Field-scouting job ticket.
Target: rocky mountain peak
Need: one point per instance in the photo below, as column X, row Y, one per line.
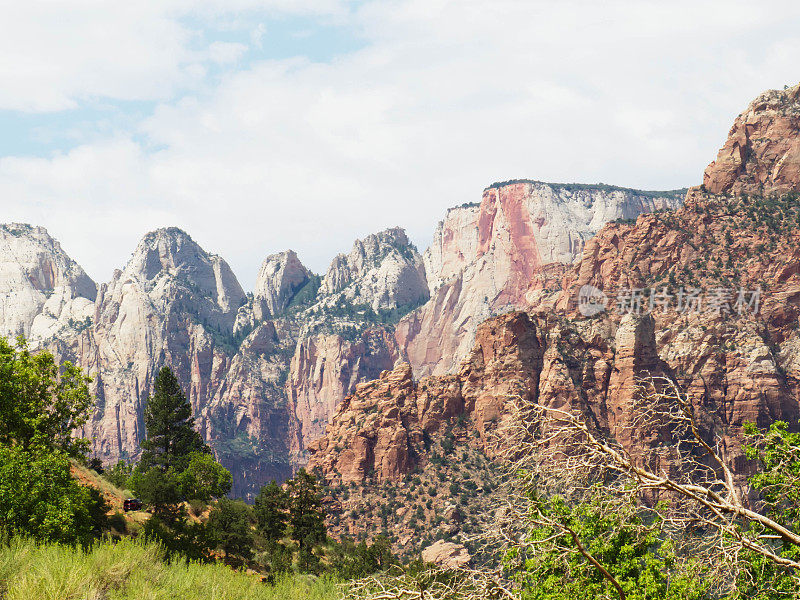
column 43, row 261
column 279, row 278
column 502, row 253
column 167, row 249
column 36, row 273
column 384, row 270
column 762, row 153
column 169, row 256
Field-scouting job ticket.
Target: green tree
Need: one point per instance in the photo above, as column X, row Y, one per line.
column 307, row 518
column 119, row 474
column 777, row 451
column 191, row 541
column 176, row 466
column 39, row 498
column 161, row 491
column 171, row 437
column 270, row 510
column 276, row 558
column 41, row 405
column 230, row 527
column 598, row 549
column 204, row 478
column 354, row 561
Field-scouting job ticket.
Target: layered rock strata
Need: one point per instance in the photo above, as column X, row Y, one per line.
column 503, row 254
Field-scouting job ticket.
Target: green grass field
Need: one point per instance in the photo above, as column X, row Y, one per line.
column 129, row 570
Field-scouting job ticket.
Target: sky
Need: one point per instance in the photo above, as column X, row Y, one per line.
column 262, row 125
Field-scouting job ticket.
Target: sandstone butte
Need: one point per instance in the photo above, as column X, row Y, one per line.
column 737, row 231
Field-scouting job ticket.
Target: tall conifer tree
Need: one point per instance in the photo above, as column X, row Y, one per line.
column 171, row 436
column 307, row 517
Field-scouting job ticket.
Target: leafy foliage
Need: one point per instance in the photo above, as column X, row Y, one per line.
column 307, row 517
column 778, row 451
column 179, row 539
column 119, row 474
column 204, row 478
column 230, row 528
column 41, row 404
column 39, row 498
column 176, row 466
column 597, row 538
column 161, row 491
column 354, row 561
column 270, row 510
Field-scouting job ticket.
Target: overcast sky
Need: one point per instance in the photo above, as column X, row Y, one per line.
column 261, row 125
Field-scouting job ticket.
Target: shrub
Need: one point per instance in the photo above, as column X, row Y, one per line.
column 118, row 523
column 229, row 528
column 39, row 498
column 119, row 474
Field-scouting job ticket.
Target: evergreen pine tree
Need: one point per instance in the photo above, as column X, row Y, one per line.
column 306, row 517
column 171, row 437
column 270, row 509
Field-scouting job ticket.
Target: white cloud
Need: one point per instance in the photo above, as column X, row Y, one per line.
column 446, row 97
column 226, row 52
column 56, row 54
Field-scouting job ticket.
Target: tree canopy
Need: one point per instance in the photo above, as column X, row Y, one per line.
column 306, row 517
column 41, row 403
column 229, row 525
column 270, row 508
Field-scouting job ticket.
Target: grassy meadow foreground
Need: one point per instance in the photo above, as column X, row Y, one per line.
column 132, row 570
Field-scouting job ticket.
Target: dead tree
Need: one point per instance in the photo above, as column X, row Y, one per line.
column 557, row 450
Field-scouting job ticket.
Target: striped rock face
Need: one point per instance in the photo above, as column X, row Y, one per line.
column 505, row 253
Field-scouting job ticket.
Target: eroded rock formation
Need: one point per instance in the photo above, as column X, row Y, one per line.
column 262, row 373
column 502, row 254
column 42, row 290
column 707, row 297
column 762, row 152
column 279, row 278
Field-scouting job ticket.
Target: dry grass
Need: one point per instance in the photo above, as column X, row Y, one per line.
column 113, row 495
